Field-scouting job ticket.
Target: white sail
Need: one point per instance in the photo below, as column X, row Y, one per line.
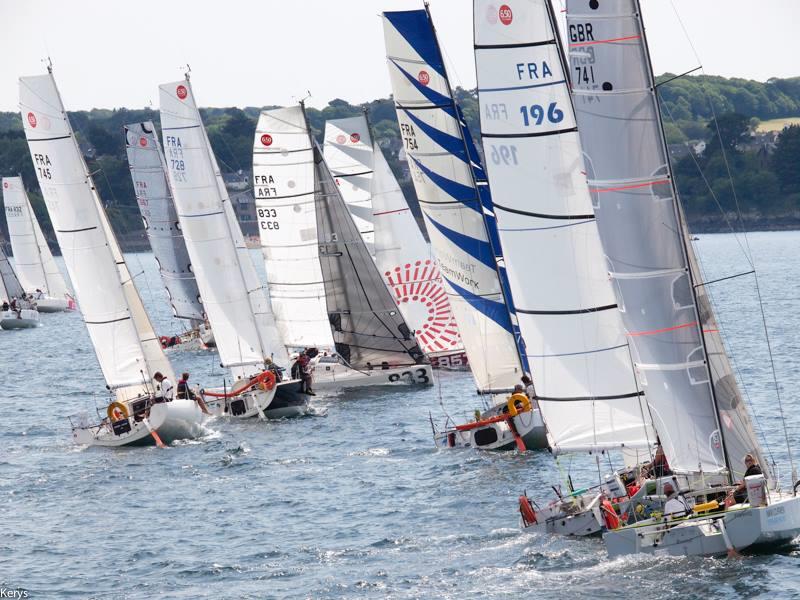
column 35, row 266
column 154, row 197
column 9, row 282
column 127, row 349
column 443, row 178
column 575, row 343
column 348, row 152
column 283, row 175
column 402, row 255
column 235, row 302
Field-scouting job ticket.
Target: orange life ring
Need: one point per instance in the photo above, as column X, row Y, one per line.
column 609, row 515
column 117, row 411
column 527, row 512
column 266, row 380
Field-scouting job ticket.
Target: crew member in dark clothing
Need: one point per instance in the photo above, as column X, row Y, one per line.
column 659, row 467
column 184, row 391
column 5, row 305
column 740, row 493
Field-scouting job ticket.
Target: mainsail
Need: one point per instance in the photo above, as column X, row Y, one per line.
column 368, row 328
column 348, row 153
column 32, row 257
column 127, row 348
column 401, row 253
column 148, row 171
column 283, row 186
column 574, row 340
column 234, row 299
column 445, row 185
column 9, row 283
column 678, row 352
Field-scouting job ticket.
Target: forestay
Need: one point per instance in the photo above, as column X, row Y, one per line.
column 441, row 171
column 568, row 316
column 283, row 186
column 644, row 241
column 348, row 152
column 127, row 348
column 32, row 257
column 368, row 328
column 236, row 304
column 148, row 171
column 401, row 254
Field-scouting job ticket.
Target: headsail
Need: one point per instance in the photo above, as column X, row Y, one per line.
column 283, row 174
column 368, row 328
column 235, row 302
column 32, row 257
column 348, row 153
column 148, row 170
column 585, row 382
column 11, row 286
column 127, row 348
column 442, row 174
column 643, row 237
column 401, row 254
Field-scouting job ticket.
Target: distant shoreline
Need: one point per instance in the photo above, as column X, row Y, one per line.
column 716, row 224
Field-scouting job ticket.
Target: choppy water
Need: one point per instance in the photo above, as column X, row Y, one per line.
column 354, row 504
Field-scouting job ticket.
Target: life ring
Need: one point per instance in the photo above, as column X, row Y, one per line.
column 527, row 512
column 512, row 404
column 266, row 380
column 609, row 515
column 117, row 411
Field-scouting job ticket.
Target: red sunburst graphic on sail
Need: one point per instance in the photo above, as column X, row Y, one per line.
column 419, row 287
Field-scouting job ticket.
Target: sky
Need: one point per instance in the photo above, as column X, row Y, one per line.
column 114, row 53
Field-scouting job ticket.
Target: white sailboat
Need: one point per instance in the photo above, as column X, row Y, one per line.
column 17, row 312
column 585, row 383
column 307, row 289
column 154, row 197
column 38, row 272
column 388, row 226
column 442, row 169
column 235, row 302
column 693, row 395
column 127, row 348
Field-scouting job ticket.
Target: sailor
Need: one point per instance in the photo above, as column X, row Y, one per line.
column 740, row 493
column 5, row 305
column 275, row 369
column 659, row 467
column 39, row 294
column 184, row 392
column 307, row 369
column 676, row 504
column 167, row 389
column 530, row 392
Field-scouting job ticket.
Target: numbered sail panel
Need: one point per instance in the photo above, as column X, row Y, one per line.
column 348, row 152
column 511, row 22
column 160, row 219
column 523, row 91
column 81, row 233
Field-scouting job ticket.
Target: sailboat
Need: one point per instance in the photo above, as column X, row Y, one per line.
column 442, row 170
column 694, row 399
column 17, row 312
column 126, row 346
column 575, row 343
column 401, row 253
column 325, row 288
column 235, row 301
column 38, row 272
column 154, row 197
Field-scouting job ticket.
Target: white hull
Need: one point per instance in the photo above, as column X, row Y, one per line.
column 281, row 402
column 334, row 376
column 51, row 305
column 739, row 528
column 570, row 516
column 26, row 319
column 175, row 420
column 498, row 436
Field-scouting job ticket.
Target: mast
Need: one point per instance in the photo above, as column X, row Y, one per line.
column 683, row 228
column 495, row 251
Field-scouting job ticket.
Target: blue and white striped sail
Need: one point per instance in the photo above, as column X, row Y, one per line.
column 442, row 172
column 574, row 339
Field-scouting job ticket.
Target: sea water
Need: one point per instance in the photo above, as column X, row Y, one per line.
column 355, row 502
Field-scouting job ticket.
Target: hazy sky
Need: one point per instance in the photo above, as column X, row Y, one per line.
column 112, row 53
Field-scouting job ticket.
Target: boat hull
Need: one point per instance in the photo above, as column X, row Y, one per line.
column 334, row 376
column 746, row 528
column 26, row 319
column 281, row 402
column 51, row 305
column 498, row 436
column 571, row 517
column 452, row 361
column 172, row 421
